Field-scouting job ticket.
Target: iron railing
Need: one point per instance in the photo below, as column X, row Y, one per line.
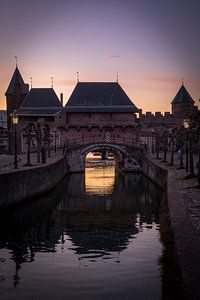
column 71, row 143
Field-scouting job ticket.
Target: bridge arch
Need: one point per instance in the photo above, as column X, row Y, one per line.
column 126, row 158
column 118, row 152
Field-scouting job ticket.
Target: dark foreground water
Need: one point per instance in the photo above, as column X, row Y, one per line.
column 93, row 238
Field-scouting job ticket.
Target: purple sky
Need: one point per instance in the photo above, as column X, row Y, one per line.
column 151, row 43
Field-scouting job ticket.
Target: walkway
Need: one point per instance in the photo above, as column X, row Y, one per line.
column 184, row 207
column 7, row 161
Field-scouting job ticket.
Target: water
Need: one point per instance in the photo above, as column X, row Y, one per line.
column 91, row 238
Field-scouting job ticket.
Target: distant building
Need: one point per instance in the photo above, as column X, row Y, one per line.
column 37, row 106
column 3, row 131
column 100, row 109
column 95, row 109
column 3, row 119
column 41, row 106
column 182, row 104
column 15, row 94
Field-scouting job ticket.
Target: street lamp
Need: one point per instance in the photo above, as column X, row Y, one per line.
column 180, row 144
column 165, row 137
column 55, row 146
column 15, row 120
column 39, row 140
column 156, row 139
column 173, row 140
column 29, row 139
column 152, row 138
column 48, row 137
column 190, row 137
column 186, row 124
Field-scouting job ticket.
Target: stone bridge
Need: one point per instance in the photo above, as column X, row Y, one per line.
column 127, row 152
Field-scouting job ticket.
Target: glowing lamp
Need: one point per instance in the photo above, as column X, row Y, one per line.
column 15, row 118
column 186, row 123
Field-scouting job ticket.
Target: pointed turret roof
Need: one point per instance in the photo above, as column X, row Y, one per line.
column 182, row 96
column 99, row 97
column 41, row 102
column 17, row 80
column 41, row 97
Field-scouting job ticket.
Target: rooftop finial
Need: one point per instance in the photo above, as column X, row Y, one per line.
column 16, row 61
column 52, row 82
column 31, row 81
column 77, row 76
column 117, row 77
column 182, row 81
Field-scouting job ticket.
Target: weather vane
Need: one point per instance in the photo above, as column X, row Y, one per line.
column 31, row 81
column 52, row 82
column 77, row 76
column 117, row 77
column 16, row 60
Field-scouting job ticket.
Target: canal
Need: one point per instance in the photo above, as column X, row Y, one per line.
column 93, row 237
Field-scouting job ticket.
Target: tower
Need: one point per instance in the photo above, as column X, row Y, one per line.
column 15, row 94
column 182, row 104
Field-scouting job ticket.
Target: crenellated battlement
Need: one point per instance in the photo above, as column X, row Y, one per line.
column 157, row 118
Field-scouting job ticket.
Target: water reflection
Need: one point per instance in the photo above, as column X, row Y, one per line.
column 76, row 221
column 100, row 181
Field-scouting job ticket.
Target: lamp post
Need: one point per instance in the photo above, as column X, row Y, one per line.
column 194, row 143
column 165, row 144
column 180, row 144
column 198, row 162
column 15, row 120
column 152, row 137
column 29, row 146
column 186, row 124
column 46, row 138
column 55, row 146
column 198, row 135
column 156, row 139
column 39, row 141
column 138, row 128
column 29, row 139
column 172, row 136
column 157, row 145
column 190, row 137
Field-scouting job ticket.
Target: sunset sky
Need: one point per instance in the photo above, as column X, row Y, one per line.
column 152, row 44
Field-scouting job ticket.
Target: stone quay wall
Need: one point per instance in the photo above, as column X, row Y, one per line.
column 186, row 238
column 154, row 172
column 25, row 184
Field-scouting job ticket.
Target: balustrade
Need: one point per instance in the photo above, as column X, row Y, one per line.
column 96, row 139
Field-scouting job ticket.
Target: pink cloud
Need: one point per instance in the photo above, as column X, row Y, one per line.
column 114, row 55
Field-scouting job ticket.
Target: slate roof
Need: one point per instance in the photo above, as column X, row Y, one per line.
column 99, row 97
column 182, row 96
column 40, row 101
column 17, row 80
